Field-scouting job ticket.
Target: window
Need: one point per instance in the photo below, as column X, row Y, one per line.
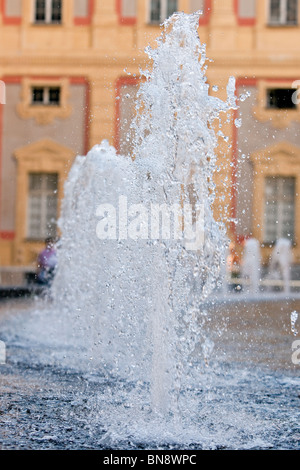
column 42, row 205
column 48, row 11
column 283, row 12
column 162, row 9
column 281, row 98
column 277, row 103
column 279, row 208
column 46, row 96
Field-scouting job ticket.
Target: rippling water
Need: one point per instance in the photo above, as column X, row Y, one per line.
column 247, row 397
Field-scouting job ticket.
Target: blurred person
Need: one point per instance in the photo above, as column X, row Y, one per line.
column 46, row 263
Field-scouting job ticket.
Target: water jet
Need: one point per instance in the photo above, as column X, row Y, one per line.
column 136, row 355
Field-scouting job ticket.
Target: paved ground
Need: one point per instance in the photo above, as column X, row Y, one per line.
column 249, row 397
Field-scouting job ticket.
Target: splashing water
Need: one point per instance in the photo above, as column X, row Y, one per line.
column 251, row 268
column 131, row 293
column 281, row 260
column 294, row 318
column 126, row 341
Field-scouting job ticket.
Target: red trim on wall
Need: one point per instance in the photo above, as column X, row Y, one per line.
column 124, row 20
column 9, row 20
column 121, row 81
column 86, row 20
column 44, row 77
column 10, row 235
column 12, row 79
column 242, row 21
column 204, row 19
column 7, row 235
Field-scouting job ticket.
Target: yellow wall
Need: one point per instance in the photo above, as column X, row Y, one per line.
column 101, row 50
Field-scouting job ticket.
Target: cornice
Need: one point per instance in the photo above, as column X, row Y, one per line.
column 116, row 61
column 66, row 60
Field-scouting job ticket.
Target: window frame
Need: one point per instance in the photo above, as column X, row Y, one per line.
column 48, row 14
column 42, row 193
column 280, row 159
column 42, row 113
column 42, row 156
column 278, row 200
column 163, row 12
column 283, row 15
column 278, row 118
column 46, row 96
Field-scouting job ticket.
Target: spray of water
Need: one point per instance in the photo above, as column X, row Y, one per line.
column 294, row 318
column 133, row 304
column 251, row 268
column 175, row 147
column 127, row 320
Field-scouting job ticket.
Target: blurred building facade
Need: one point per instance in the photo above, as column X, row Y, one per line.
column 71, row 72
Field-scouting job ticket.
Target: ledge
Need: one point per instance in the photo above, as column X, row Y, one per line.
column 15, row 292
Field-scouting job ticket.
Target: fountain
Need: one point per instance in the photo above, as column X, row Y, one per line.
column 127, row 323
column 141, row 291
column 251, row 265
column 280, row 264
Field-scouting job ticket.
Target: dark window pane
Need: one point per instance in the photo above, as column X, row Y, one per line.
column 52, row 181
column 281, row 98
column 42, row 205
column 275, row 11
column 38, row 94
column 54, row 96
column 40, row 10
column 155, row 11
column 292, row 11
column 35, row 181
column 284, row 12
column 279, row 208
column 56, row 14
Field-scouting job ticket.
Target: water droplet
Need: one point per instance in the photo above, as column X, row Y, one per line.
column 244, row 96
column 294, row 318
